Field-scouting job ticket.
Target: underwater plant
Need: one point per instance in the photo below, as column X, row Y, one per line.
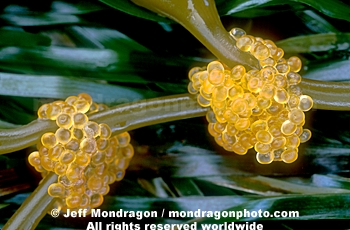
column 100, row 65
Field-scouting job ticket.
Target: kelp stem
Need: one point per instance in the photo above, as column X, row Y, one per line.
column 202, row 20
column 120, row 118
column 34, row 207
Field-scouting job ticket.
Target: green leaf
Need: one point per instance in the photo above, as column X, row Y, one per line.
column 309, row 207
column 267, row 186
column 332, row 181
column 23, row 39
column 61, row 87
column 40, row 19
column 335, row 9
column 130, row 8
column 334, row 70
column 315, row 43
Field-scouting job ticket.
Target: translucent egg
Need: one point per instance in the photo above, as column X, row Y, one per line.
column 86, row 97
column 219, row 127
column 282, row 68
column 235, row 92
column 239, row 105
column 73, row 145
column 91, row 129
column 268, row 91
column 210, row 116
column 237, row 33
column 275, row 130
column 34, row 159
column 265, row 158
column 263, row 103
column 251, row 100
column 63, row 136
column 262, row 148
column 228, row 139
column 60, row 169
column 220, row 93
column 105, row 131
column 191, row 89
column 242, row 124
column 288, row 127
column 47, row 163
column 202, row 101
column 53, row 111
column 67, row 157
column 281, row 96
column 64, row 121
column 88, row 145
column 290, row 155
column 296, row 116
column 278, row 54
column 55, row 152
column 215, row 65
column 49, row 140
column 293, row 141
column 56, row 190
column 293, row 78
column 96, row 200
column 212, row 131
column 193, row 71
column 98, row 158
column 239, row 149
column 264, row 137
column 280, row 81
column 258, row 126
column 216, row 77
column 231, row 129
column 305, row 135
column 80, row 120
column 71, row 99
column 294, row 63
column 254, row 85
column 123, row 139
column 275, row 108
column 73, row 172
column 245, row 140
column 42, row 111
column 95, row 183
column 238, row 72
column 260, row 51
column 73, row 201
column 305, row 103
column 244, row 43
column 278, row 142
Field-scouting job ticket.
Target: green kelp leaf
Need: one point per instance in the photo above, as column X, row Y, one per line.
column 315, row 22
column 268, row 186
column 43, row 19
column 77, row 7
column 135, row 10
column 13, row 110
column 156, row 186
column 59, row 7
column 101, row 64
column 309, row 207
column 335, row 9
column 337, row 70
column 61, row 87
column 186, row 187
column 105, row 38
column 23, row 39
column 315, row 43
column 332, row 181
